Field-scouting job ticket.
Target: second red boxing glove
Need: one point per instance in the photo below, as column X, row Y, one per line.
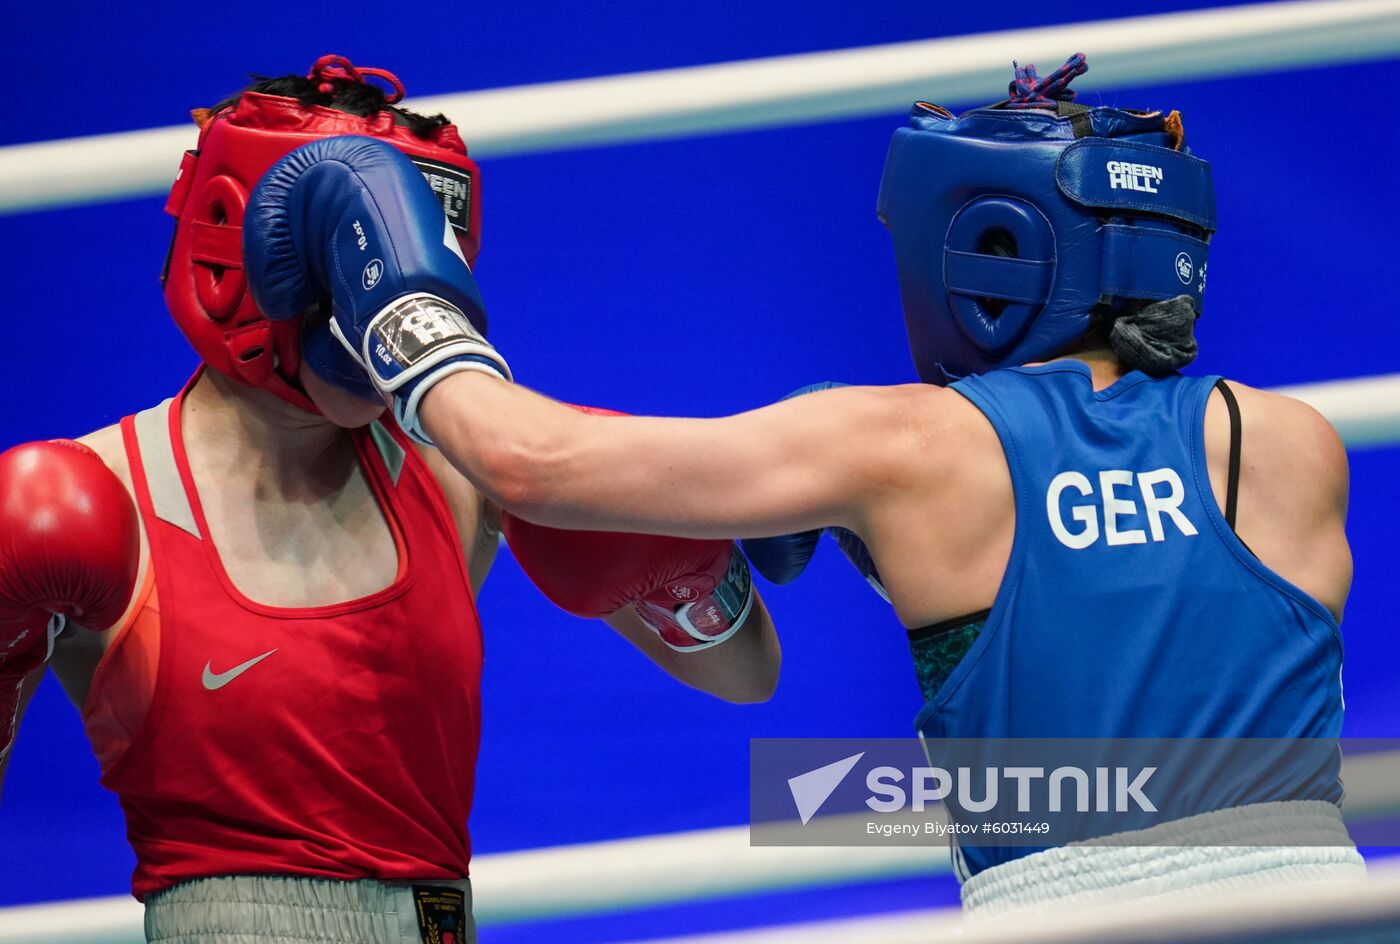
column 693, row 594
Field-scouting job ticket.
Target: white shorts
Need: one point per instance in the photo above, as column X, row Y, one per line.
column 261, row 909
column 1190, row 856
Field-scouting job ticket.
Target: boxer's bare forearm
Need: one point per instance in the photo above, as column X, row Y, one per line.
column 743, row 669
column 26, row 692
column 796, row 465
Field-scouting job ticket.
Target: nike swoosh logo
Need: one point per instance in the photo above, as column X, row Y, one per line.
column 213, row 681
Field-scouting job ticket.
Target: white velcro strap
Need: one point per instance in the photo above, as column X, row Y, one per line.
column 415, row 341
column 56, row 625
column 406, row 408
column 735, row 595
column 414, row 334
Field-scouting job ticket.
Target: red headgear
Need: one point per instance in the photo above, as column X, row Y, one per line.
column 204, row 284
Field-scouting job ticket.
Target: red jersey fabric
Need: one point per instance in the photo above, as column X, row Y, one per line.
column 334, row 741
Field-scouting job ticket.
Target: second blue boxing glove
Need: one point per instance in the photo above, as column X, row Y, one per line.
column 782, row 558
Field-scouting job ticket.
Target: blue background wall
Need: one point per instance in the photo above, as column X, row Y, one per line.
column 701, row 277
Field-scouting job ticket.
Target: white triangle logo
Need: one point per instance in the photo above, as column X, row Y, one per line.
column 449, row 239
column 811, row 790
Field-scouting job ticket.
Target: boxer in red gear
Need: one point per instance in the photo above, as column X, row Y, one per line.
column 283, row 688
column 71, row 554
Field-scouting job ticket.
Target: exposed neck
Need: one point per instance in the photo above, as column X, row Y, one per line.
column 1104, row 367
column 252, row 434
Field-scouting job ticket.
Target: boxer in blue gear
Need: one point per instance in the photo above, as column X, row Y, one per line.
column 1082, row 541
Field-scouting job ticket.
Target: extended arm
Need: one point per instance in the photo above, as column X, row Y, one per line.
column 805, row 463
column 594, row 575
column 25, row 688
column 313, row 220
column 417, row 326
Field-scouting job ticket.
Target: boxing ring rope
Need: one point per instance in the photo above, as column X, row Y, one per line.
column 1365, row 411
column 1318, row 915
column 780, row 90
column 808, row 88
column 1335, row 914
column 656, row 870
column 626, row 874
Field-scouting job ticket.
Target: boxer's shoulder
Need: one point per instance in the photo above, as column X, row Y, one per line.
column 110, row 446
column 929, row 454
column 1284, row 441
column 107, row 443
column 936, row 432
column 76, row 655
column 1292, row 488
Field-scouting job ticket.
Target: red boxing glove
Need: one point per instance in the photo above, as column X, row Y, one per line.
column 693, row 594
column 69, row 547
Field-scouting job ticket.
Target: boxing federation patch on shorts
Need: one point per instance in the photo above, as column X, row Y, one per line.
column 453, row 187
column 412, row 328
column 442, row 914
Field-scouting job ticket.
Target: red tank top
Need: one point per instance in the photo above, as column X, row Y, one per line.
column 334, row 741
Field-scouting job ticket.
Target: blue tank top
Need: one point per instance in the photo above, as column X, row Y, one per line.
column 1129, row 608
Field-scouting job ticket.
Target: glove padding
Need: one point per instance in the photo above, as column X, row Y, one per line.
column 350, row 219
column 693, row 594
column 781, row 559
column 323, row 352
column 69, row 549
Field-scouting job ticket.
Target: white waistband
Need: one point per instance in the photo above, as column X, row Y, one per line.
column 1225, row 849
column 285, row 909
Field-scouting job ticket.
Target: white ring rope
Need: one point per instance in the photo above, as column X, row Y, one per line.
column 780, row 90
column 1352, row 914
column 812, row 87
column 1365, row 411
column 1319, row 914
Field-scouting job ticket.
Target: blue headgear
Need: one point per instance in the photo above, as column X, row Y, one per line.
column 1093, row 205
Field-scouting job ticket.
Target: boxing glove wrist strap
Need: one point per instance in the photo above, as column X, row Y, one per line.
column 411, row 344
column 697, row 624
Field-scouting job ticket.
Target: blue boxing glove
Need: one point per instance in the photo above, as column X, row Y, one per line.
column 323, row 353
column 782, row 559
column 859, row 555
column 351, row 219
